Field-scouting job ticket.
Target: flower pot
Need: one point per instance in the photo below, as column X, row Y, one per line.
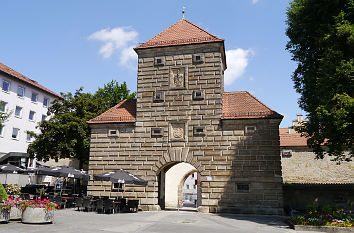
column 4, row 215
column 37, row 215
column 15, row 213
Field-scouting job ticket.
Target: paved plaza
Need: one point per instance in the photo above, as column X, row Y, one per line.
column 70, row 221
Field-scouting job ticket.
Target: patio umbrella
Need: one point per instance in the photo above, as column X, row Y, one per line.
column 62, row 171
column 9, row 168
column 120, row 176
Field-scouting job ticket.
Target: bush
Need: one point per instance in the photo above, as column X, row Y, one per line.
column 3, row 194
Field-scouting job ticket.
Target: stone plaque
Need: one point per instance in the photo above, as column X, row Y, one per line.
column 177, row 77
column 177, row 131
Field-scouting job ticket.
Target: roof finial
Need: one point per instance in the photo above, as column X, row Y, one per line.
column 183, row 12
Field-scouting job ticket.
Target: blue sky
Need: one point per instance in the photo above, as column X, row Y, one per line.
column 68, row 44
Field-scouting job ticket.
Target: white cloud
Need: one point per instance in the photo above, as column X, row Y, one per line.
column 237, row 61
column 120, row 40
column 255, row 1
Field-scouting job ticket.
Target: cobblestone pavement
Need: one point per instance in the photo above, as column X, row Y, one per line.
column 70, row 221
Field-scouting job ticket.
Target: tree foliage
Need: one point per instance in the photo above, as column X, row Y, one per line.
column 321, row 34
column 66, row 134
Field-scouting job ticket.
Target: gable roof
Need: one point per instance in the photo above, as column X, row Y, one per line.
column 293, row 139
column 181, row 33
column 13, row 73
column 243, row 105
column 125, row 111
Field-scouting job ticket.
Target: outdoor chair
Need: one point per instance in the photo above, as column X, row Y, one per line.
column 108, row 206
column 99, row 206
column 25, row 196
column 58, row 200
column 79, row 203
column 133, row 205
column 51, row 198
column 86, row 204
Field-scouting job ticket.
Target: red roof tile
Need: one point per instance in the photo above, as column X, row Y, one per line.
column 293, row 139
column 125, row 111
column 25, row 79
column 181, row 33
column 243, row 105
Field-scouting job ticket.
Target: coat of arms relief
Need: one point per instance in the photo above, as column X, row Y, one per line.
column 177, row 77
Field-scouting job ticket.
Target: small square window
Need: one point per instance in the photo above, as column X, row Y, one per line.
column 156, row 132
column 34, row 97
column 31, row 115
column 198, row 95
column 15, row 133
column 159, row 61
column 117, row 187
column 45, row 102
column 44, row 117
column 5, row 85
column 198, row 131
column 20, row 91
column 2, row 106
column 18, row 111
column 113, row 133
column 250, row 129
column 286, row 153
column 158, row 96
column 242, row 187
column 197, row 58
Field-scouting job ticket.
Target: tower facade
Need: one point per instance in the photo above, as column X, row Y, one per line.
column 182, row 114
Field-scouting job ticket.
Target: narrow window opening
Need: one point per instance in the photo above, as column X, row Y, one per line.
column 242, row 187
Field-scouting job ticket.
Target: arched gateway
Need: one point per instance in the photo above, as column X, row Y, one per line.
column 182, row 114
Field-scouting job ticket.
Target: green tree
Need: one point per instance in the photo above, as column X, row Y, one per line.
column 321, row 34
column 112, row 93
column 66, row 134
column 3, row 194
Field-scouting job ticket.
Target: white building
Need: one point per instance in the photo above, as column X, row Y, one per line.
column 27, row 102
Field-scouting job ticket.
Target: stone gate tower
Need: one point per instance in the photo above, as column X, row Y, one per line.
column 182, row 114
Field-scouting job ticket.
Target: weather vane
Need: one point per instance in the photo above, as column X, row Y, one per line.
column 183, row 12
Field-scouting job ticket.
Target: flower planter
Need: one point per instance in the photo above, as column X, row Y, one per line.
column 15, row 213
column 4, row 215
column 37, row 215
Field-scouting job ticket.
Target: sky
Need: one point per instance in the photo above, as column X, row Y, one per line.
column 65, row 45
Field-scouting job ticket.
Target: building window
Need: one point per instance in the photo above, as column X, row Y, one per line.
column 31, row 115
column 117, row 187
column 28, row 136
column 15, row 133
column 113, row 133
column 5, row 85
column 159, row 61
column 1, row 130
column 250, row 129
column 18, row 111
column 20, row 91
column 2, row 106
column 242, row 187
column 45, row 102
column 34, row 97
column 156, row 132
column 198, row 131
column 44, row 117
column 198, row 95
column 286, row 153
column 187, row 186
column 158, row 96
column 197, row 58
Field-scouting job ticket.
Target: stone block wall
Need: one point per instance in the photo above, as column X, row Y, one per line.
column 223, row 154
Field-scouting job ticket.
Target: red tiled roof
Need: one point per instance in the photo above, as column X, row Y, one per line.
column 25, row 79
column 125, row 111
column 181, row 33
column 243, row 105
column 293, row 139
